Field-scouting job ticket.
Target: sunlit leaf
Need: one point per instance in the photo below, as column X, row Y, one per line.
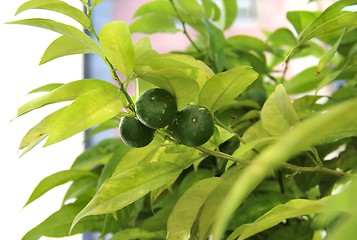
column 127, row 187
column 154, row 23
column 137, row 233
column 160, row 7
column 183, row 215
column 117, row 46
column 230, row 12
column 64, row 46
column 46, row 88
column 69, row 91
column 95, row 107
column 57, row 6
column 231, row 84
column 55, row 180
column 66, row 30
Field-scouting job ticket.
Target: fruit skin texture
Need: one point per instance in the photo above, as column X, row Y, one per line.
column 193, row 125
column 134, row 133
column 156, row 108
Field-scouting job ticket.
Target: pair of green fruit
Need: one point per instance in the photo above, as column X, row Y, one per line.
column 156, row 108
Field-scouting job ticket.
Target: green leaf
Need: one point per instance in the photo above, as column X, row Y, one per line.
column 96, row 2
column 247, row 43
column 57, row 6
column 278, row 109
column 159, row 7
column 122, row 189
column 230, row 12
column 325, row 59
column 137, row 233
column 154, row 23
column 94, row 107
column 58, row 224
column 231, row 84
column 291, row 209
column 46, row 88
column 186, row 209
column 299, row 138
column 64, row 29
column 143, row 51
column 39, row 132
column 245, row 149
column 64, row 46
column 55, row 180
column 175, row 81
column 69, row 91
column 304, row 81
column 301, row 19
column 117, row 46
column 191, row 7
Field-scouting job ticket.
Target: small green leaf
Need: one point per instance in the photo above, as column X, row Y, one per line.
column 64, row 46
column 117, row 46
column 154, row 23
column 291, row 209
column 245, row 149
column 55, row 180
column 325, row 59
column 231, row 84
column 69, row 91
column 175, row 81
column 191, row 7
column 95, row 107
column 278, row 109
column 301, row 19
column 96, row 2
column 46, row 88
column 122, row 189
column 66, row 30
column 186, row 209
column 57, row 6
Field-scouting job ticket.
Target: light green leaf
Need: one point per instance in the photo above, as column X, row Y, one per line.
column 39, row 132
column 94, row 107
column 186, row 209
column 299, row 138
column 122, row 189
column 57, row 6
column 154, row 23
column 46, row 88
column 55, row 180
column 64, row 46
column 230, row 12
column 325, row 59
column 231, row 84
column 137, row 233
column 117, row 46
column 160, row 7
column 291, row 209
column 96, row 2
column 301, row 19
column 191, row 7
column 69, row 91
column 304, row 81
column 57, row 225
column 245, row 149
column 66, row 30
column 278, row 109
column 184, row 88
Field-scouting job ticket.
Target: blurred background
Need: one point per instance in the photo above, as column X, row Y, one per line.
column 21, row 48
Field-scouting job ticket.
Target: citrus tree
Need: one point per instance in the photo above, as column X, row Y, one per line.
column 216, row 143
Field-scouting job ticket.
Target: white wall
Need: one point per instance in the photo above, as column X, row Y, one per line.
column 21, row 48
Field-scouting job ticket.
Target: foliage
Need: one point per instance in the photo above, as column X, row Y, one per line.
column 267, row 171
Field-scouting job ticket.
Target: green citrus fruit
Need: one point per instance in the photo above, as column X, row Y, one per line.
column 193, row 125
column 134, row 133
column 156, row 108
